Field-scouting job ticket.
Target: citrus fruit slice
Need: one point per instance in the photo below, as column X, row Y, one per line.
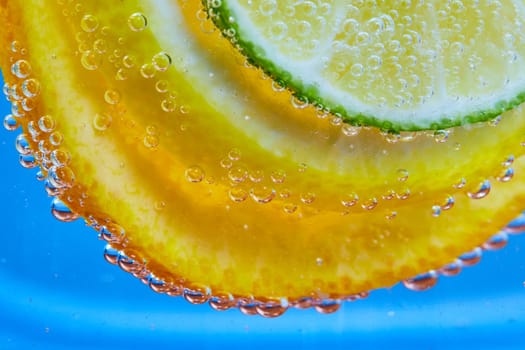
column 207, row 182
column 398, row 65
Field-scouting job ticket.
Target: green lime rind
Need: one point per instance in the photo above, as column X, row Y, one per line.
column 255, row 55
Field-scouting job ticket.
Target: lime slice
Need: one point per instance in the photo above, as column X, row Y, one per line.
column 398, row 65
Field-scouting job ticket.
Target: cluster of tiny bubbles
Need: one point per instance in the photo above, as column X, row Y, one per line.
column 61, row 211
column 482, row 190
column 422, row 282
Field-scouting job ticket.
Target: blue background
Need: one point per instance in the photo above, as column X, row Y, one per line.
column 57, row 292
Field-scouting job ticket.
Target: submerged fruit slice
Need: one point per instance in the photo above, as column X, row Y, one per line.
column 398, row 65
column 145, row 122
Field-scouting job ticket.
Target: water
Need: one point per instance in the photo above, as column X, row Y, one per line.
column 58, row 292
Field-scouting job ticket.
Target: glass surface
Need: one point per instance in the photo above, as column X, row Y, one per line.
column 57, row 292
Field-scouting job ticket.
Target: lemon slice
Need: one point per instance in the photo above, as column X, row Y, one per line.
column 398, row 65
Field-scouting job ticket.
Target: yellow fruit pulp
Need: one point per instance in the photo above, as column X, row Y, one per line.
column 146, row 120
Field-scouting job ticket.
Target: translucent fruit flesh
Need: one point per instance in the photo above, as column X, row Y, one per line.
column 397, row 65
column 144, row 119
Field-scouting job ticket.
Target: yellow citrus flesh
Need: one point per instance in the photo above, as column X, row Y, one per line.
column 218, row 180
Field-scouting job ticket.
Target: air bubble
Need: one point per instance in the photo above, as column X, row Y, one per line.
column 129, row 61
column 162, row 86
column 422, row 282
column 237, row 194
column 102, row 121
column 436, row 210
column 161, row 61
column 271, row 309
column 137, row 22
column 10, row 123
column 151, row 141
column 349, row 130
column 256, row 175
column 496, row 242
column 506, row 175
column 30, row 87
column 290, row 208
column 89, row 23
column 307, row 198
column 516, row 226
column 328, row 306
column 90, row 60
column 482, row 191
column 28, row 161
column 112, row 96
column 238, row 174
column 262, row 194
column 61, row 211
column 100, row 46
column 278, row 176
column 402, row 175
column 21, row 69
column 370, row 204
column 350, row 200
column 194, row 174
column 451, row 269
column 168, row 105
column 234, row 154
column 22, row 144
column 147, row 70
column 299, row 102
column 449, row 203
column 441, row 136
column 460, row 183
column 472, row 257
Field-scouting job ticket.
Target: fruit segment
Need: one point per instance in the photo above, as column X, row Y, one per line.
column 397, row 65
column 146, row 121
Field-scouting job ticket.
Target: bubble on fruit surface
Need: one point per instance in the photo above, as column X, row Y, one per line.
column 137, row 22
column 481, row 191
column 21, row 69
column 194, row 174
column 102, row 121
column 161, row 61
column 89, row 23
